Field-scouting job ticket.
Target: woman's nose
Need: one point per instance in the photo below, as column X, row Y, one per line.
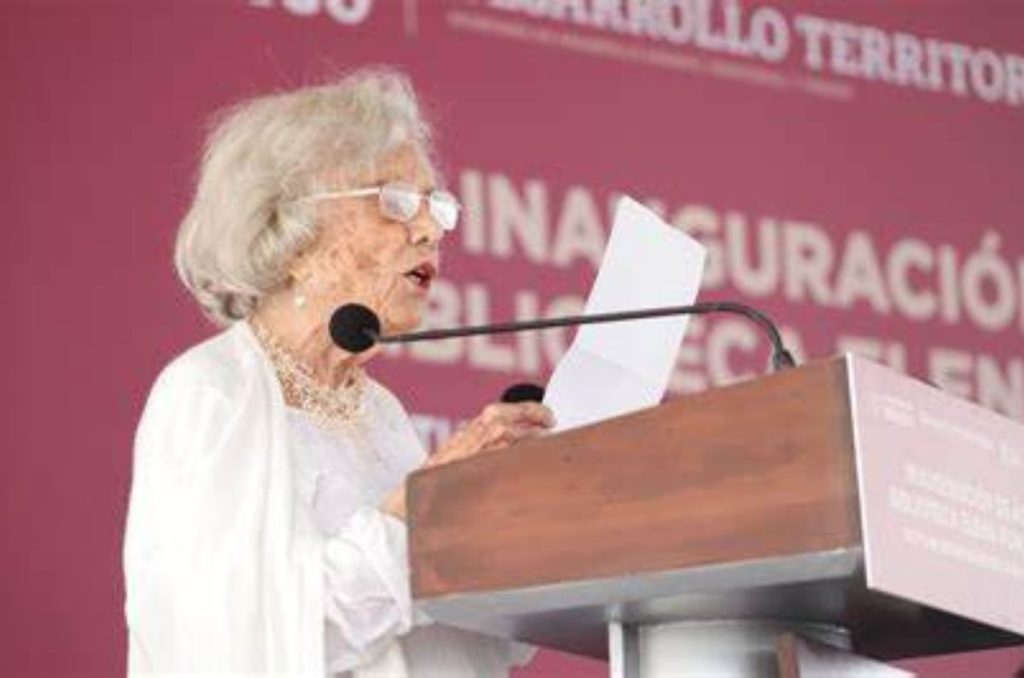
column 424, row 229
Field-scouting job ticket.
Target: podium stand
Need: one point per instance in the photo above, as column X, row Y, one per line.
column 693, row 537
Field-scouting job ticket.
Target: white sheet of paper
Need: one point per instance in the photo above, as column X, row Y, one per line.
column 616, row 368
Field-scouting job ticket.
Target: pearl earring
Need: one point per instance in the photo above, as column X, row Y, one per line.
column 299, row 299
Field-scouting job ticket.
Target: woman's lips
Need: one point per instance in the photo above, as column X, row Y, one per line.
column 422, row 276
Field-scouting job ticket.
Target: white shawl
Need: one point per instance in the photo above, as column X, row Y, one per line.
column 223, row 571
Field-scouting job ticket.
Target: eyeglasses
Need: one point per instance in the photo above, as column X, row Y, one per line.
column 401, row 201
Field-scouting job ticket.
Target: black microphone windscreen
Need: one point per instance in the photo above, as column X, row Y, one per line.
column 354, row 327
column 522, row 393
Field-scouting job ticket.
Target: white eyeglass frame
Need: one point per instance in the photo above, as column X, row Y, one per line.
column 434, row 199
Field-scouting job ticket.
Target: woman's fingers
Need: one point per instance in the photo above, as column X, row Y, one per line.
column 498, row 425
column 506, row 423
column 511, row 435
column 536, row 414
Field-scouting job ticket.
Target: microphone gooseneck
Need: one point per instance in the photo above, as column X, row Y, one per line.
column 356, row 328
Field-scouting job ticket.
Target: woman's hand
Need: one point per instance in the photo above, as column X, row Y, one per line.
column 498, row 425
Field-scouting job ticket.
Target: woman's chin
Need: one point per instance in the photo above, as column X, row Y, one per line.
column 404, row 322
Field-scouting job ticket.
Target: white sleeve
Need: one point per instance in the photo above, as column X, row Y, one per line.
column 368, row 602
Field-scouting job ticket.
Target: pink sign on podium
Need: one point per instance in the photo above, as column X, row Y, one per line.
column 942, row 497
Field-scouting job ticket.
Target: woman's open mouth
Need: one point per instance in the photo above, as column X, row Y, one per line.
column 422, row 276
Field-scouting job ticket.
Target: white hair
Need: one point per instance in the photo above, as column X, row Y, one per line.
column 244, row 226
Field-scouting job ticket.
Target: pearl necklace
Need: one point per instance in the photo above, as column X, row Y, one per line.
column 330, row 407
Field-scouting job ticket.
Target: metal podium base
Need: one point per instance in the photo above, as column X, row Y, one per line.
column 718, row 648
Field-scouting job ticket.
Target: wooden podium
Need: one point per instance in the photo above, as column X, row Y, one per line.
column 698, row 537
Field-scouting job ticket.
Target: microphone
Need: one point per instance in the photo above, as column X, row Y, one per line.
column 356, row 328
column 523, row 392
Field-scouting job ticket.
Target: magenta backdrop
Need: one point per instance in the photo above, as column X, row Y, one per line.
column 856, row 210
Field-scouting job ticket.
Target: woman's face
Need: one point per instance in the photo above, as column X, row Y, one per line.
column 363, row 257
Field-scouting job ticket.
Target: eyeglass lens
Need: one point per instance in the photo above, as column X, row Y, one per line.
column 401, row 202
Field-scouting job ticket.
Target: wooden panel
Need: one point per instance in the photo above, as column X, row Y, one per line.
column 750, row 471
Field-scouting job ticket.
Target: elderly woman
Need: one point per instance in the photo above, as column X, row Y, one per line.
column 266, row 533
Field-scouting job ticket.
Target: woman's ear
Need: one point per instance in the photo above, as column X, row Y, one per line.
column 306, row 261
column 298, row 292
column 300, row 269
column 301, row 273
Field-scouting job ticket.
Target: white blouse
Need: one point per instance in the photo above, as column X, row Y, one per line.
column 253, row 546
column 350, row 471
